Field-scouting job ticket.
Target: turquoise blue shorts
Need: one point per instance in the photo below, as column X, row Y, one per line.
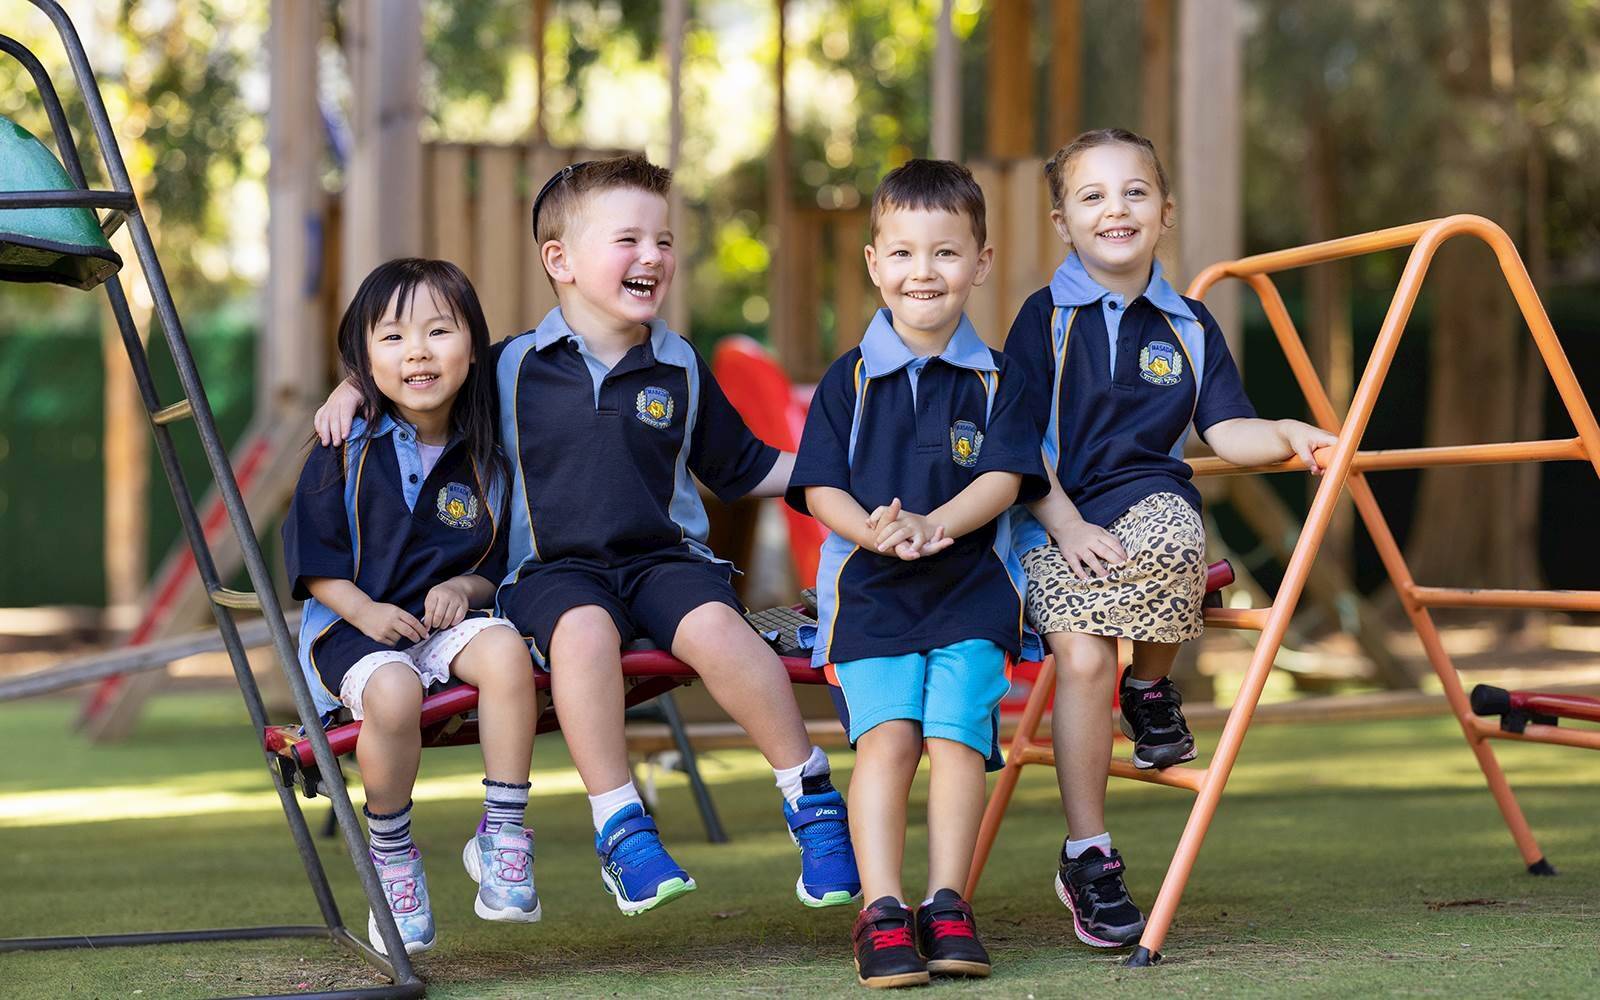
column 952, row 691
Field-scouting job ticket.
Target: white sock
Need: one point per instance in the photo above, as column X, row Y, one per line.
column 1100, row 840
column 608, row 804
column 788, row 778
column 1139, row 685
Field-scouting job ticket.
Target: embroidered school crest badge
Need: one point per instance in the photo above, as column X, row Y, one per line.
column 458, row 506
column 654, row 407
column 1160, row 363
column 965, row 443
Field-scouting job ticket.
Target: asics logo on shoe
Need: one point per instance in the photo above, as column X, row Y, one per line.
column 824, row 813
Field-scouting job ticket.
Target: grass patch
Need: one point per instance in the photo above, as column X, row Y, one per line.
column 1346, row 859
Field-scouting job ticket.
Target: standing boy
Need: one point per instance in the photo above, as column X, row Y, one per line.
column 916, row 443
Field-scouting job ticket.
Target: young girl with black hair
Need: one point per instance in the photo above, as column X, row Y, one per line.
column 393, row 539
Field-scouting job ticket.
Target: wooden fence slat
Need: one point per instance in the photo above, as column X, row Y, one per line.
column 449, row 230
column 853, row 295
column 986, row 305
column 498, row 273
column 1028, row 201
column 538, row 298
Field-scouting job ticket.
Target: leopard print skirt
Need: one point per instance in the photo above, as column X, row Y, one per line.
column 1156, row 595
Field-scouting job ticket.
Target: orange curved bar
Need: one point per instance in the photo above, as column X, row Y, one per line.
column 1387, row 459
column 1345, row 466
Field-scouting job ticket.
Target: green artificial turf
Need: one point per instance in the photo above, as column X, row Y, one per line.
column 1347, row 859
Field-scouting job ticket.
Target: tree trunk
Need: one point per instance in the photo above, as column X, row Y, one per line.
column 1328, row 338
column 1465, row 531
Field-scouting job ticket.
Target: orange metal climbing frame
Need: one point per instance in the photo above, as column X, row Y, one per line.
column 1346, row 468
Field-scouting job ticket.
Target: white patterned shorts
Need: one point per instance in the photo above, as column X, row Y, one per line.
column 430, row 659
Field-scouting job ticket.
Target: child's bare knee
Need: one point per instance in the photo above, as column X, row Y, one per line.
column 712, row 622
column 588, row 625
column 896, row 739
column 392, row 695
column 1085, row 661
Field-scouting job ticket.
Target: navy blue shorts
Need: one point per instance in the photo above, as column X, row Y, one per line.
column 646, row 597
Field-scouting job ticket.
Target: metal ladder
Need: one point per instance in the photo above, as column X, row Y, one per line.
column 123, row 209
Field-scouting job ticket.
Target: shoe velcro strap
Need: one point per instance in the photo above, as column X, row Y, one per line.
column 817, row 814
column 1082, row 875
column 624, row 830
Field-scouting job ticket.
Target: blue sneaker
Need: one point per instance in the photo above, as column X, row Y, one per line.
column 406, row 888
column 636, row 869
column 502, row 865
column 820, row 827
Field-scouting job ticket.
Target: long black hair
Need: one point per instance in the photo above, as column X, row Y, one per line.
column 473, row 414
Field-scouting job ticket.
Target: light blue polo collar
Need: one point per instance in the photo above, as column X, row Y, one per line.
column 554, row 327
column 885, row 353
column 1071, row 286
column 390, row 425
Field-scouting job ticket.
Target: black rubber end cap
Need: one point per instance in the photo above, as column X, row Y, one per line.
column 1542, row 867
column 1488, row 700
column 1142, row 958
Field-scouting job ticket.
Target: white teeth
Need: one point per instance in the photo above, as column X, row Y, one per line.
column 641, row 288
column 1117, row 234
column 420, row 379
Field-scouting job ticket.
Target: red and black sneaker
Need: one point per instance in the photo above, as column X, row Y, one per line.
column 1153, row 719
column 948, row 937
column 886, row 955
column 1090, row 885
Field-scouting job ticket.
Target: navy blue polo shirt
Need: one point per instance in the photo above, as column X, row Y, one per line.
column 605, row 459
column 1114, row 387
column 364, row 512
column 885, row 423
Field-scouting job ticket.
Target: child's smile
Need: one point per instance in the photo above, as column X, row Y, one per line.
column 618, row 261
column 419, row 358
column 925, row 264
column 1112, row 214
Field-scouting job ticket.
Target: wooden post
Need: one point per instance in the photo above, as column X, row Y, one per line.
column 127, row 473
column 1210, row 158
column 540, row 16
column 1011, row 131
column 674, row 22
column 783, row 335
column 1066, row 72
column 290, row 352
column 944, row 138
column 1155, row 74
column 384, row 174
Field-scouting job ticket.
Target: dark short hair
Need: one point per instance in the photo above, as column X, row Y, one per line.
column 564, row 194
column 473, row 415
column 931, row 186
column 1055, row 169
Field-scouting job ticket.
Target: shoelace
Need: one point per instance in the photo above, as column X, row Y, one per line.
column 894, row 937
column 1107, row 890
column 511, row 864
column 402, row 895
column 952, row 927
column 1157, row 713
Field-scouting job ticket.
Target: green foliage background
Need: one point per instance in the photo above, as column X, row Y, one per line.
column 186, row 85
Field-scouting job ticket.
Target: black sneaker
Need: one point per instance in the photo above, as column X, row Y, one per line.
column 947, row 936
column 1090, row 885
column 886, row 955
column 1153, row 719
